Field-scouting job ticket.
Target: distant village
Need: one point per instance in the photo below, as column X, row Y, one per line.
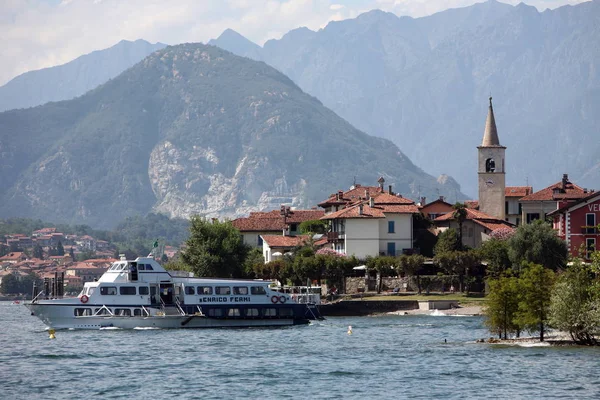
column 361, row 221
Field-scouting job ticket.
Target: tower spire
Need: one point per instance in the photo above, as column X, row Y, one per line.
column 490, row 136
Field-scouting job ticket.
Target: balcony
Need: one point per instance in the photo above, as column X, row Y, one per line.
column 333, row 236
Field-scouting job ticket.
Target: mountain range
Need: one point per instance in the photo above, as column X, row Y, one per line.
column 191, row 129
column 64, row 82
column 424, row 83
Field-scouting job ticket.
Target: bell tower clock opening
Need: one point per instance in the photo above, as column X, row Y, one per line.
column 491, row 172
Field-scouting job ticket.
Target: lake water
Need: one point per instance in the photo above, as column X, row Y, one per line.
column 385, row 357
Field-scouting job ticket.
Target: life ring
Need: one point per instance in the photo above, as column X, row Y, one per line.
column 84, row 299
column 274, row 299
column 282, row 299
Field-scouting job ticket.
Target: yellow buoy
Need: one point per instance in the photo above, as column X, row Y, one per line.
column 51, row 332
column 350, row 330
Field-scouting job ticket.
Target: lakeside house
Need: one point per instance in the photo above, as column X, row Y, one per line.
column 577, row 224
column 368, row 221
column 476, row 228
column 282, row 222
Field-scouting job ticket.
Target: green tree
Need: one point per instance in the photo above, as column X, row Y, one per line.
column 254, row 260
column 60, row 250
column 411, row 265
column 313, row 226
column 458, row 264
column 502, row 306
column 495, row 253
column 38, row 252
column 460, row 215
column 10, row 284
column 447, row 241
column 384, row 265
column 72, row 253
column 214, row 249
column 537, row 243
column 575, row 305
column 535, row 284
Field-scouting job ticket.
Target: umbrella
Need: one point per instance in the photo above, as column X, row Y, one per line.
column 360, row 268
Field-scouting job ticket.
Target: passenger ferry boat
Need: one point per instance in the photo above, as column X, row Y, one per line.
column 142, row 294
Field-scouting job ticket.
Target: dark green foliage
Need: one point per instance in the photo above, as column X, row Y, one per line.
column 254, row 260
column 460, row 215
column 458, row 264
column 214, row 249
column 425, row 240
column 447, row 241
column 502, row 306
column 13, row 285
column 60, row 250
column 495, row 253
column 38, row 252
column 313, row 226
column 575, row 304
column 411, row 265
column 538, row 243
column 535, row 285
column 89, row 254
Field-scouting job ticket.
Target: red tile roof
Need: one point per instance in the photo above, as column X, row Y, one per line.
column 556, row 192
column 273, row 221
column 471, row 214
column 517, row 191
column 284, row 241
column 354, row 212
column 400, row 209
column 352, row 195
column 386, row 198
column 590, row 196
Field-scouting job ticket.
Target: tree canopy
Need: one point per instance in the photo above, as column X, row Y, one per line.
column 214, row 249
column 538, row 243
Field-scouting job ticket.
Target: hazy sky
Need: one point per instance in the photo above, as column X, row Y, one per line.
column 41, row 33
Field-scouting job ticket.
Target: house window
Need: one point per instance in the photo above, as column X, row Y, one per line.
column 532, row 217
column 260, row 241
column 590, row 222
column 506, row 208
column 293, row 227
column 520, row 209
column 391, row 227
column 590, row 244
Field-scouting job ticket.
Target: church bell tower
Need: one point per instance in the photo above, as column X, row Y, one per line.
column 491, row 170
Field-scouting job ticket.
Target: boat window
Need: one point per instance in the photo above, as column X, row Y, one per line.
column 127, row 289
column 204, row 290
column 240, row 290
column 90, row 291
column 233, row 312
column 257, row 290
column 80, row 312
column 215, row 312
column 102, row 311
column 123, row 312
column 108, row 290
column 138, row 312
column 286, row 312
column 269, row 312
column 143, row 289
column 189, row 290
column 149, row 267
column 141, row 267
column 222, row 290
column 252, row 312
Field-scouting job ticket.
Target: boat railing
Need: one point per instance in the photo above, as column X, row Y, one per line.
column 178, row 304
column 146, row 311
column 307, row 298
column 36, row 297
column 98, row 311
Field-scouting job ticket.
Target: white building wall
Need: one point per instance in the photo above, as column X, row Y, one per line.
column 402, row 235
column 362, row 237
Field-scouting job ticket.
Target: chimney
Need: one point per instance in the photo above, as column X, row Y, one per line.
column 372, row 202
column 565, row 179
column 390, row 190
column 423, row 201
column 442, row 198
column 360, row 209
column 381, row 181
column 340, row 195
column 366, row 194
